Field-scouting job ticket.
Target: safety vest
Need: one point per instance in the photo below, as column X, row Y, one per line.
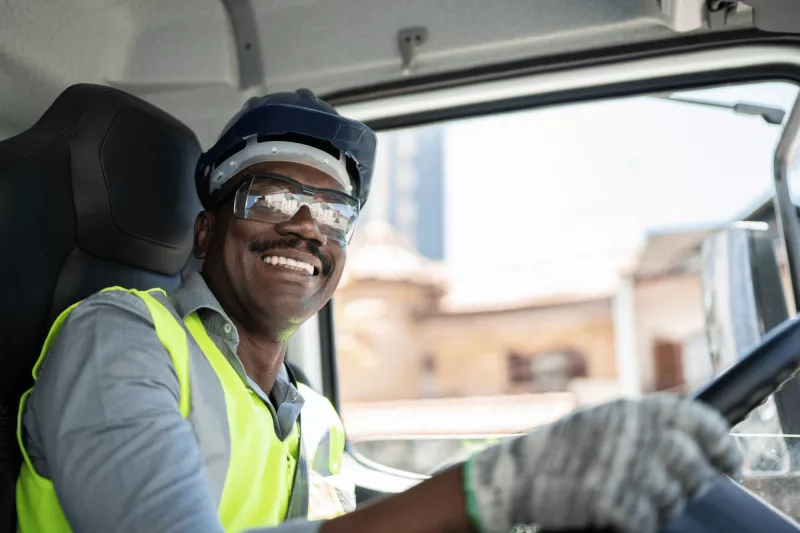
column 267, row 481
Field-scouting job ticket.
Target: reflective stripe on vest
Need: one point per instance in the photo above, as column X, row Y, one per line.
column 262, row 486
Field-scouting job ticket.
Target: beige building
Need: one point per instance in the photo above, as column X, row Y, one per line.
column 424, row 382
column 403, row 352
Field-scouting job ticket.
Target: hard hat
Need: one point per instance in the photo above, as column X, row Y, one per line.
column 289, row 126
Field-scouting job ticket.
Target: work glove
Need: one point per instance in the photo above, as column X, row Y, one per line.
column 629, row 466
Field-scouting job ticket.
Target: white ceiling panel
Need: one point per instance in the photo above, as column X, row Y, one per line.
column 199, row 59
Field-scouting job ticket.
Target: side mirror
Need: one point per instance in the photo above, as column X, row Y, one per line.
column 743, row 298
column 743, row 295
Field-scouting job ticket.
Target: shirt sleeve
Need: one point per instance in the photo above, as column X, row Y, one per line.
column 103, row 424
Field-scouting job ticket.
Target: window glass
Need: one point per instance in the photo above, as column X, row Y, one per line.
column 510, row 269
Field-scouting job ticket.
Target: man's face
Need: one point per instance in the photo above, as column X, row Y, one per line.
column 240, row 256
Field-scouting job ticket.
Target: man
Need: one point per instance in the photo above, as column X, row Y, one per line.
column 156, row 413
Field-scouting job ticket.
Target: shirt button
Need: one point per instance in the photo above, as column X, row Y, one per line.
column 227, row 328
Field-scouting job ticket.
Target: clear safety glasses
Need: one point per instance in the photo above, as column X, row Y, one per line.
column 276, row 199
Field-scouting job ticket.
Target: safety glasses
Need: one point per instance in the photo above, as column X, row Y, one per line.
column 276, row 199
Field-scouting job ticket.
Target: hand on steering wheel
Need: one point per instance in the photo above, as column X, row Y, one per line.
column 629, row 466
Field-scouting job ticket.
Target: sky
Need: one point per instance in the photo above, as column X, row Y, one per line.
column 558, row 200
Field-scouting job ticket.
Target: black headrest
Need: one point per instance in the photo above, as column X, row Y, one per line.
column 98, row 192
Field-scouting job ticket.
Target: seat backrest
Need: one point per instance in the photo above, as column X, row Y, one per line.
column 99, row 192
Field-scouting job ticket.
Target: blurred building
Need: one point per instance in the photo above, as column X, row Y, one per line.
column 396, row 342
column 422, row 378
column 408, row 188
column 400, row 347
column 669, row 334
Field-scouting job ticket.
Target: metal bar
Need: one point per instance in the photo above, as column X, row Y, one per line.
column 327, row 340
column 786, row 212
column 697, row 102
column 244, row 26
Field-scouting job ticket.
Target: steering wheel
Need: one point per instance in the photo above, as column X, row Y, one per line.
column 727, row 507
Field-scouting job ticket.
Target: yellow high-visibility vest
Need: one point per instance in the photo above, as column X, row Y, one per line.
column 262, row 484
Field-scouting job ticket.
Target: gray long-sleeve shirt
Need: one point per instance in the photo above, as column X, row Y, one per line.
column 103, row 421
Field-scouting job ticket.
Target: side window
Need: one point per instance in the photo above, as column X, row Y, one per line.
column 512, row 268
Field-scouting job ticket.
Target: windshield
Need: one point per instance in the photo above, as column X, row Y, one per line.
column 509, row 269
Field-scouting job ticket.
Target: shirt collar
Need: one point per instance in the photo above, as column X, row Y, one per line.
column 194, row 296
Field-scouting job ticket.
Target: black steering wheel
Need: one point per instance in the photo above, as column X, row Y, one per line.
column 727, row 507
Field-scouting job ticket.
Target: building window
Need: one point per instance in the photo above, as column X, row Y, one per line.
column 520, row 371
column 547, row 371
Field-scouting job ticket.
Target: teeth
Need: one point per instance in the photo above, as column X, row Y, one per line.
column 289, row 263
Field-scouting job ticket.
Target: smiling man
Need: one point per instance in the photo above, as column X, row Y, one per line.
column 177, row 413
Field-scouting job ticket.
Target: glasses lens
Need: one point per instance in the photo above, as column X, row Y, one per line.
column 335, row 218
column 276, row 201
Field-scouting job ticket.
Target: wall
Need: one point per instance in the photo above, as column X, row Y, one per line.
column 471, row 349
column 379, row 347
column 385, row 330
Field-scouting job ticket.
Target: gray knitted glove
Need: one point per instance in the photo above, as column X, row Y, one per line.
column 628, row 465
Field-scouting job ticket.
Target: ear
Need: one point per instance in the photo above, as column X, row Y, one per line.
column 203, row 229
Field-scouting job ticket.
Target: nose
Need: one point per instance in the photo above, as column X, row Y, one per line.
column 302, row 225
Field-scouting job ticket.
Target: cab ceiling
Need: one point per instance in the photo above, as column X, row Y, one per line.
column 200, row 59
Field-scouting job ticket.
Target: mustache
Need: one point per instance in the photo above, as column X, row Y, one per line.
column 295, row 244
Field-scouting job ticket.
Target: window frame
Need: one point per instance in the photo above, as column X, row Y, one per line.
column 777, row 61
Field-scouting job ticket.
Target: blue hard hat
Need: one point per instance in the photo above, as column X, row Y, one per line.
column 298, row 117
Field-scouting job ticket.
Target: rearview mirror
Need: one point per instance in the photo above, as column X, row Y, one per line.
column 743, row 298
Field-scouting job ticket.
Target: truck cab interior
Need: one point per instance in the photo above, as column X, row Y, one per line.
column 105, row 107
